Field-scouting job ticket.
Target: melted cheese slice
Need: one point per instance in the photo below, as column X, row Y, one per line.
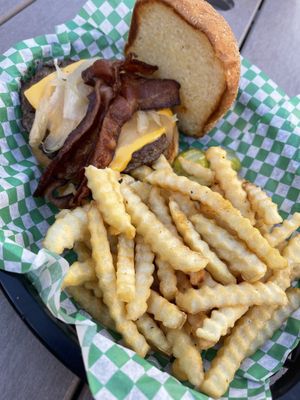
column 132, row 140
column 35, row 93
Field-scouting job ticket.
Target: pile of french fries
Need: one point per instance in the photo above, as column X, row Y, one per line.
column 181, row 263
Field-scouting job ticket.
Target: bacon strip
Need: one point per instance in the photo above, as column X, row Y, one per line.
column 119, row 92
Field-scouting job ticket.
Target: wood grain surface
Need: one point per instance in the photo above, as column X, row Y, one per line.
column 274, row 43
column 37, row 19
column 241, row 16
column 28, row 369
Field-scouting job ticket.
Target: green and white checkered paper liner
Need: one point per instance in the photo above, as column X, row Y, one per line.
column 263, row 127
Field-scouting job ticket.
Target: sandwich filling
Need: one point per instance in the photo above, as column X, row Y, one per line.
column 124, row 112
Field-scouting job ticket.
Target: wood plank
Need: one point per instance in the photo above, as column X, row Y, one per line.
column 85, row 394
column 274, row 42
column 241, row 16
column 8, row 10
column 43, row 16
column 28, row 369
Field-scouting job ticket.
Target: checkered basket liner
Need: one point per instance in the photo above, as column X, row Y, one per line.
column 263, row 127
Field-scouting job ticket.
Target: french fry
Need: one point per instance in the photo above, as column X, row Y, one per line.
column 225, row 211
column 195, row 321
column 215, row 266
column 279, row 316
column 144, row 269
column 79, row 273
column 142, row 189
column 203, row 175
column 236, row 347
column 141, row 173
column 166, row 312
column 162, row 163
column 177, row 371
column 229, row 182
column 237, row 255
column 263, row 227
column 68, row 228
column 188, row 356
column 106, row 274
column 185, row 204
column 197, row 277
column 167, row 279
column 161, row 240
column 262, row 204
column 208, row 280
column 94, row 287
column 292, row 253
column 82, row 250
column 125, row 269
column 153, row 334
column 158, row 206
column 106, row 191
column 206, row 298
column 217, row 188
column 92, row 304
column 284, row 231
column 183, row 281
column 220, row 322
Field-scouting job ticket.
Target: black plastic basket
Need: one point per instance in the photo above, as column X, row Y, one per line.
column 60, row 339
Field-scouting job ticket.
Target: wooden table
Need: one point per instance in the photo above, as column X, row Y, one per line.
column 268, row 35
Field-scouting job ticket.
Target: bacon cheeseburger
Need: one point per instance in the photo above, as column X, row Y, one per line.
column 181, row 62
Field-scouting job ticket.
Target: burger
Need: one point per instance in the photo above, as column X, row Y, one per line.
column 180, row 70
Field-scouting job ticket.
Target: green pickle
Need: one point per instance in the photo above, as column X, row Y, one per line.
column 195, row 155
column 198, row 156
column 235, row 162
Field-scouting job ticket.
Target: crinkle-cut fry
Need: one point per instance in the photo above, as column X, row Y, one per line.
column 239, row 258
column 144, row 269
column 185, row 204
column 153, row 334
column 141, row 173
column 229, row 182
column 262, row 204
column 203, row 175
column 189, row 358
column 196, row 278
column 159, row 207
column 82, row 250
column 162, row 163
column 263, row 228
column 215, row 266
column 94, row 287
column 217, row 188
column 142, row 189
column 161, row 240
column 284, row 231
column 167, row 279
column 125, row 269
column 183, row 281
column 106, row 274
column 292, row 253
column 195, row 321
column 106, row 191
column 220, row 322
column 225, row 212
column 279, row 316
column 235, row 348
column 68, row 228
column 79, row 273
column 92, row 304
column 166, row 312
column 282, row 277
column 206, row 298
column 177, row 371
column 208, row 280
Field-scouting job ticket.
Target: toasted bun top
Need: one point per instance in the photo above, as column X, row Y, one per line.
column 208, row 58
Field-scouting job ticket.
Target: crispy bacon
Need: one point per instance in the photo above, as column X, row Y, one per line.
column 118, row 93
